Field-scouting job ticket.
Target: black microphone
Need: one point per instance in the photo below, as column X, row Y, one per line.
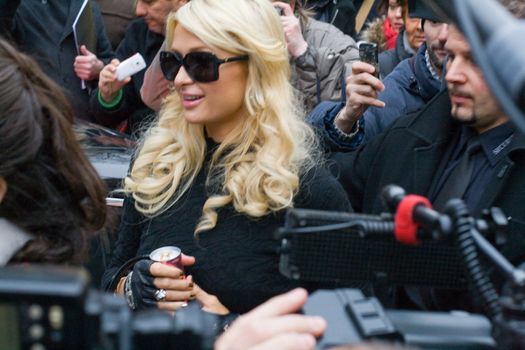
column 417, row 213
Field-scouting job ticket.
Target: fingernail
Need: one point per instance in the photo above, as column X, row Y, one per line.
column 184, row 304
column 307, row 340
column 317, row 323
column 298, row 292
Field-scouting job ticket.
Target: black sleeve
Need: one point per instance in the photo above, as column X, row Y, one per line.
column 7, row 13
column 104, row 49
column 320, row 190
column 128, row 242
column 131, row 100
column 353, row 169
column 129, row 103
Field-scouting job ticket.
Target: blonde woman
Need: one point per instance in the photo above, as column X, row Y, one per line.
column 228, row 155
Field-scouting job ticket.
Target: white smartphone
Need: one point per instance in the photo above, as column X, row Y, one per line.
column 130, row 66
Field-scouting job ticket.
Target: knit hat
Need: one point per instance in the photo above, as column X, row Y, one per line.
column 420, row 9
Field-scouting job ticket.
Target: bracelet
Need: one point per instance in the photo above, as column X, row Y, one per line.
column 344, row 136
column 111, row 104
column 224, row 322
column 128, row 293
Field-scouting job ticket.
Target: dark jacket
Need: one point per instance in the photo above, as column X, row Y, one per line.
column 409, row 154
column 407, row 89
column 23, row 19
column 138, row 38
column 340, row 13
column 388, row 60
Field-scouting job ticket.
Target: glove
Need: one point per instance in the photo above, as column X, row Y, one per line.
column 139, row 289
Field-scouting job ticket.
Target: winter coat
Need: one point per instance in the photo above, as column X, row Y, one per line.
column 374, row 33
column 24, row 18
column 409, row 154
column 319, row 74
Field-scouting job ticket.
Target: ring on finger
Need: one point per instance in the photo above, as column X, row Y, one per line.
column 160, row 294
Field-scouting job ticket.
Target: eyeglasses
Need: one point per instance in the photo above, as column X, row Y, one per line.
column 202, row 67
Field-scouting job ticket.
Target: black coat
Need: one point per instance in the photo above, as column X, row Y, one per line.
column 409, row 154
column 23, row 19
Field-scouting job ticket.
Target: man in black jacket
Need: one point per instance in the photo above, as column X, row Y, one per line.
column 420, row 152
column 118, row 104
column 44, row 30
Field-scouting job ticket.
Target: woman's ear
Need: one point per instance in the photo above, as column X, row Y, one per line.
column 3, row 188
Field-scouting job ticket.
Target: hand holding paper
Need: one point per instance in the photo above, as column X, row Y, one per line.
column 87, row 66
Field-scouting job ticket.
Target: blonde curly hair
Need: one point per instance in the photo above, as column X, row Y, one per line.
column 256, row 168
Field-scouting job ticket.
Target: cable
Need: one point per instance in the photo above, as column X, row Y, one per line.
column 463, row 223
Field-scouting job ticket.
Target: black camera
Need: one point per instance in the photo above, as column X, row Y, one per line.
column 48, row 307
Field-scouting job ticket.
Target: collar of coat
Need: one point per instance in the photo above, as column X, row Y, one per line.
column 433, row 124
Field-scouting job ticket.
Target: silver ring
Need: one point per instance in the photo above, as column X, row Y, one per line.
column 160, row 294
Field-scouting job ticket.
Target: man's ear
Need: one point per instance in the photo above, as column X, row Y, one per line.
column 292, row 5
column 3, row 188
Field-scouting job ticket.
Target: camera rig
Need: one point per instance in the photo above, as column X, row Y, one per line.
column 409, row 245
column 50, row 307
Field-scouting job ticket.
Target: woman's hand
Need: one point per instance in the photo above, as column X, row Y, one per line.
column 178, row 289
column 161, row 285
column 108, row 84
column 209, row 303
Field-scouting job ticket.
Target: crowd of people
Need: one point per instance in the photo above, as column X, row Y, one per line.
column 246, row 109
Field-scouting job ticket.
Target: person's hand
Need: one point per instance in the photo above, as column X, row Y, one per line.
column 209, row 303
column 149, row 277
column 271, row 326
column 87, row 66
column 108, row 84
column 361, row 92
column 155, row 87
column 292, row 30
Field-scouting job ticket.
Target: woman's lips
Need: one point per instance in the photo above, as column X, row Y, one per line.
column 191, row 101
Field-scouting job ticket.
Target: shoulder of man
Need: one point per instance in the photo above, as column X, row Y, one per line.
column 430, row 119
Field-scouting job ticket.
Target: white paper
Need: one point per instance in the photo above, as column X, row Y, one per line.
column 82, row 83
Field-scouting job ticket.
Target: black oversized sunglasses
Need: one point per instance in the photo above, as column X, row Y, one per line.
column 202, row 67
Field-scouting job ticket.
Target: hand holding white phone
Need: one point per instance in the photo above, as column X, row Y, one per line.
column 130, row 66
